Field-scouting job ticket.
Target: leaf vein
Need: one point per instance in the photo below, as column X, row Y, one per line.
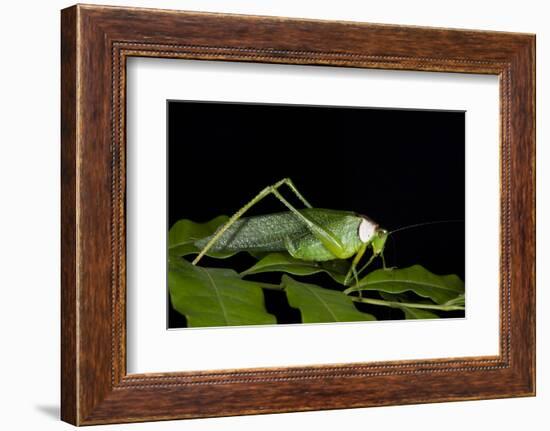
column 217, row 294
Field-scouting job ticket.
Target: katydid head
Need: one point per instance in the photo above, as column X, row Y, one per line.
column 379, row 241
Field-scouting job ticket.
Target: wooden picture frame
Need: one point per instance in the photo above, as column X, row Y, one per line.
column 95, row 43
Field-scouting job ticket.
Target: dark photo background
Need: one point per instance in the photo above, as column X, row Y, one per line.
column 399, row 167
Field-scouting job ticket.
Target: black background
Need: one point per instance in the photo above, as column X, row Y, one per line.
column 399, row 167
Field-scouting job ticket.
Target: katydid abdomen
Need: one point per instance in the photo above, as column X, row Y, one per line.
column 284, row 231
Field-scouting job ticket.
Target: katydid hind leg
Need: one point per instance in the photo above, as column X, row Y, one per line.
column 290, row 246
column 327, row 238
column 262, row 194
column 293, row 188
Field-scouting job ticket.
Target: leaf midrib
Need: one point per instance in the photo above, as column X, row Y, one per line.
column 410, row 282
column 324, row 303
column 214, row 285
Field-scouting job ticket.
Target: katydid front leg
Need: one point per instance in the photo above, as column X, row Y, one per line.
column 367, row 263
column 354, row 263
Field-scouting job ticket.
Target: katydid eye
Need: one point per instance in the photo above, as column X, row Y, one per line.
column 366, row 230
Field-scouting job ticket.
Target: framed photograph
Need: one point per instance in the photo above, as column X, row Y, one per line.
column 258, row 208
column 411, row 169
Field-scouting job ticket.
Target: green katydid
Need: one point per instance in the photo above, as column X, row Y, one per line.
column 311, row 234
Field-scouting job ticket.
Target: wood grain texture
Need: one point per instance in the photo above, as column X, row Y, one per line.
column 96, row 41
column 69, row 371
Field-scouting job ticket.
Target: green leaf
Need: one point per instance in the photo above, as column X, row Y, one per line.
column 215, row 296
column 283, row 262
column 417, row 313
column 184, row 233
column 439, row 288
column 319, row 305
column 460, row 300
column 410, row 312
